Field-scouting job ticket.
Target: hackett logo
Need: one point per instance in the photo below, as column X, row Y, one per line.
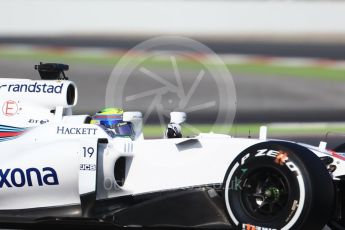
column 35, row 88
column 30, row 177
column 75, row 131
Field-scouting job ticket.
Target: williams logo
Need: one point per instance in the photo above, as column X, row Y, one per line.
column 35, row 88
column 30, row 177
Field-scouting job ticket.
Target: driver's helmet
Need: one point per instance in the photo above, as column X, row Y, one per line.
column 112, row 120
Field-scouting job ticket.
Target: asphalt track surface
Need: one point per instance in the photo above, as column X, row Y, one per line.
column 259, row 98
column 284, row 49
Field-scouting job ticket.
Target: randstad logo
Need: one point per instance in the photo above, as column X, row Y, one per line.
column 31, row 177
column 35, row 88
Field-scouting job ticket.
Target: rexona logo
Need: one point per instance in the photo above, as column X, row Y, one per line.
column 252, row 227
column 35, row 88
column 30, row 177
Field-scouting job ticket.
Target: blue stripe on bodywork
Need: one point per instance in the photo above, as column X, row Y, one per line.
column 5, row 128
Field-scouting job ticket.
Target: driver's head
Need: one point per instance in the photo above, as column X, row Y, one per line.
column 108, row 117
column 112, row 118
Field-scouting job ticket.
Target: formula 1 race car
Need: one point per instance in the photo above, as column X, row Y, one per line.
column 58, row 168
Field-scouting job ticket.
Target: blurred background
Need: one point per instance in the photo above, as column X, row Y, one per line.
column 287, row 58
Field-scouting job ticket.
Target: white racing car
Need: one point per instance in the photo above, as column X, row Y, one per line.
column 57, row 168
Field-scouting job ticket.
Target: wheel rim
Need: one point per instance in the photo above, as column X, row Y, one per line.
column 265, row 193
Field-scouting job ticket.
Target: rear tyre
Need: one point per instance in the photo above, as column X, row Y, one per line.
column 278, row 185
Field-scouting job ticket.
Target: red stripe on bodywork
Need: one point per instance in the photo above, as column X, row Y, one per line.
column 335, row 154
column 10, row 134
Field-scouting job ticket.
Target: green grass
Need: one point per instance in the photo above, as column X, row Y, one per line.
column 307, row 72
column 243, row 130
column 158, row 130
column 259, row 69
